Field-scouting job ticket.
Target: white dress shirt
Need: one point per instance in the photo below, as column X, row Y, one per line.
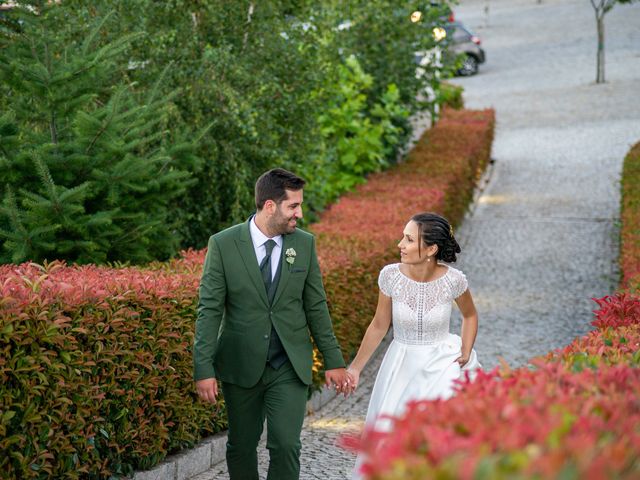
column 259, row 239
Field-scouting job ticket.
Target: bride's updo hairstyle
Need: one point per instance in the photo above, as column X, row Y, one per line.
column 436, row 230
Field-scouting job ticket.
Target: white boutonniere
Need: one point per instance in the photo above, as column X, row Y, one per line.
column 291, row 256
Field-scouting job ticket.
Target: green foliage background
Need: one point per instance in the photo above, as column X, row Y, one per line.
column 322, row 88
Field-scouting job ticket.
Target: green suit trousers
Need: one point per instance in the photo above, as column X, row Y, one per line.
column 281, row 398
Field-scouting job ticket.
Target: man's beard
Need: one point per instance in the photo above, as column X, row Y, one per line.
column 281, row 225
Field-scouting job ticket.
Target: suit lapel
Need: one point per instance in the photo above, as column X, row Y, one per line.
column 248, row 255
column 288, row 242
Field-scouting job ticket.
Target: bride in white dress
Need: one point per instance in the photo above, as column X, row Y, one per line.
column 416, row 297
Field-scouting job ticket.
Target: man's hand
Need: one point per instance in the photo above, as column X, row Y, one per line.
column 340, row 380
column 207, row 389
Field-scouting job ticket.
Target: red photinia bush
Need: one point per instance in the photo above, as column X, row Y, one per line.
column 617, row 310
column 616, row 340
column 531, row 424
column 630, row 216
column 575, row 415
column 95, row 368
column 610, row 346
column 75, row 285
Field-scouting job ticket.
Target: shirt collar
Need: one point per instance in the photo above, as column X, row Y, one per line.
column 258, row 237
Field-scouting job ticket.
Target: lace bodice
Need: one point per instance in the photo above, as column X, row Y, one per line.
column 421, row 310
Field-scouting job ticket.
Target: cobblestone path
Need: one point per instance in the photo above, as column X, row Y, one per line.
column 542, row 238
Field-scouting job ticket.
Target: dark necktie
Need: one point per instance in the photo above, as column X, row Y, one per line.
column 265, row 265
column 276, row 355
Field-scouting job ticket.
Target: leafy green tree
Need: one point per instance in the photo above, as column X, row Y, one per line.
column 263, row 74
column 257, row 83
column 242, row 69
column 357, row 141
column 383, row 37
column 88, row 166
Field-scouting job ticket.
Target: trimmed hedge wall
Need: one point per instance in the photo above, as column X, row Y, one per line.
column 630, row 215
column 95, row 362
column 576, row 415
column 95, row 369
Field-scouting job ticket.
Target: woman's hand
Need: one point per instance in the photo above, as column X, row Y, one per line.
column 463, row 359
column 354, row 375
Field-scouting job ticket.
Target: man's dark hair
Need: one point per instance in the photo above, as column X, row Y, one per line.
column 272, row 185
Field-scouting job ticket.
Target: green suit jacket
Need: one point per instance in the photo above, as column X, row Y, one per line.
column 234, row 315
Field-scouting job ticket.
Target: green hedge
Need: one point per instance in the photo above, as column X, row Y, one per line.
column 96, row 371
column 247, row 86
column 630, row 215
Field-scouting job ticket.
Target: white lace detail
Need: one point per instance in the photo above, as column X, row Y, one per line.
column 421, row 310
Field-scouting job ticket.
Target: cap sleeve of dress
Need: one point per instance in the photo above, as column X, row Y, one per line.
column 385, row 279
column 459, row 283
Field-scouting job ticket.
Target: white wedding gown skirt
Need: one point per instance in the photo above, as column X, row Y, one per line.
column 416, row 372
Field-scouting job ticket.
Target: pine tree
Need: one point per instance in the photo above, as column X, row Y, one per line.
column 89, row 167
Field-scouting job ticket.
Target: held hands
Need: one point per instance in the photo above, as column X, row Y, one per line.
column 341, row 380
column 207, row 389
column 355, row 377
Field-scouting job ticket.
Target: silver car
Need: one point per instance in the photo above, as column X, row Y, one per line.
column 462, row 41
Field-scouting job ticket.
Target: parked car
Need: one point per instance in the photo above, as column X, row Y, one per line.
column 459, row 40
column 462, row 41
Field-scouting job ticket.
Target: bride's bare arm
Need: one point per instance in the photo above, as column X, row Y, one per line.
column 376, row 331
column 469, row 325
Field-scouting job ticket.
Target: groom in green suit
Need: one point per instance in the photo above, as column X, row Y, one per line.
column 261, row 301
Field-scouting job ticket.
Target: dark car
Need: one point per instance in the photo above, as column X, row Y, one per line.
column 462, row 41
